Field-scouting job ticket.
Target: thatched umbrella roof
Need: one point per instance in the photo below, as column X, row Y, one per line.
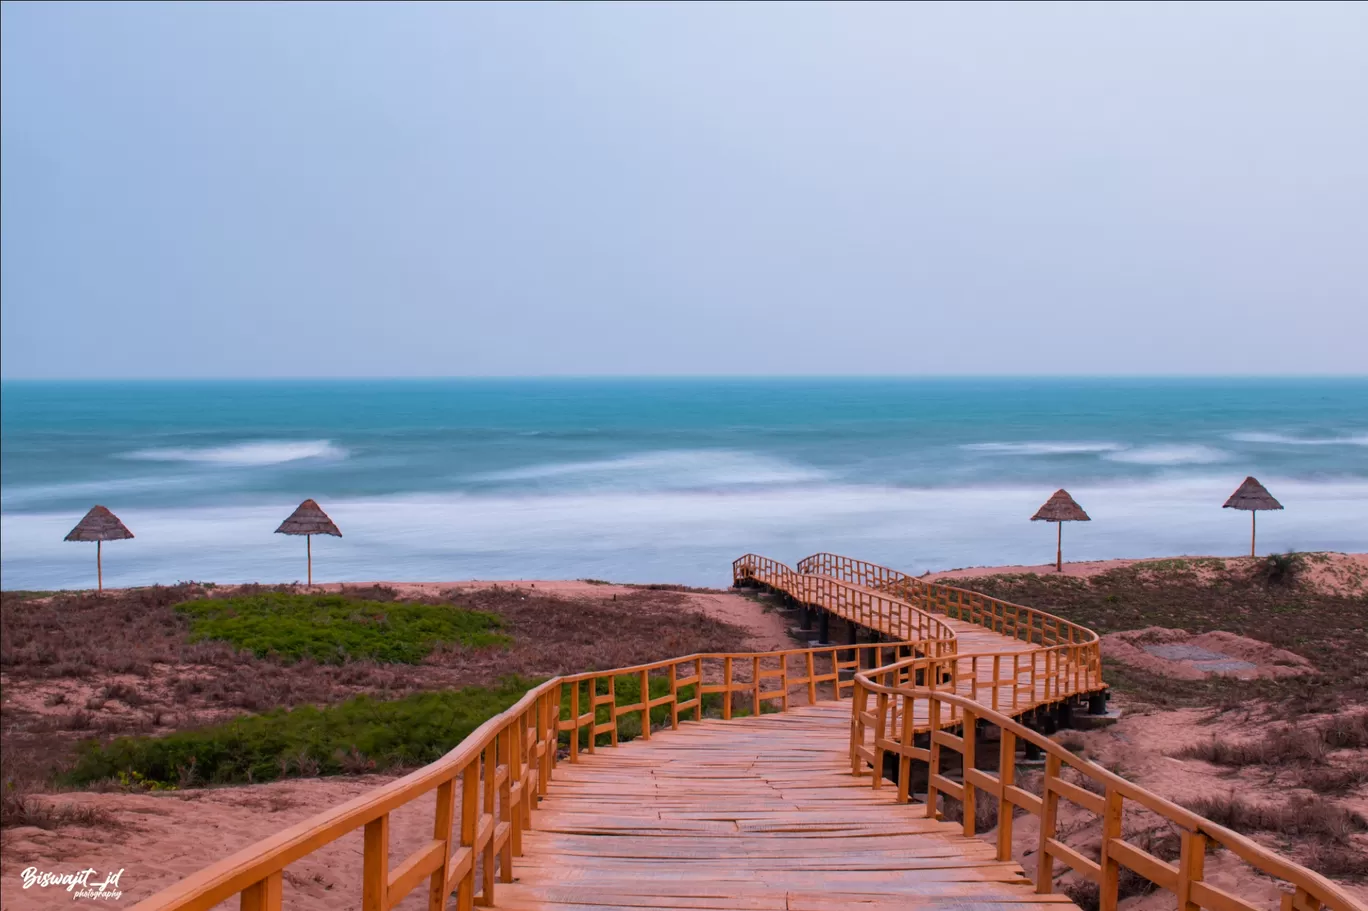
column 1060, row 508
column 308, row 519
column 99, row 525
column 1252, row 495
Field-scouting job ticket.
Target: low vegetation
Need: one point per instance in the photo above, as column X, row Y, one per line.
column 359, row 735
column 1297, row 815
column 333, row 629
column 1304, row 752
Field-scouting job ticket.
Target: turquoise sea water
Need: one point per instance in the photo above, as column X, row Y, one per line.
column 662, row 480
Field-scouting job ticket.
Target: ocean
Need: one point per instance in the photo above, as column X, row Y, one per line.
column 662, row 480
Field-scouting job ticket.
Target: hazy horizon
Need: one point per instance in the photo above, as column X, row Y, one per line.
column 399, row 191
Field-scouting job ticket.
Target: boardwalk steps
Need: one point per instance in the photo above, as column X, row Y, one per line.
column 781, row 803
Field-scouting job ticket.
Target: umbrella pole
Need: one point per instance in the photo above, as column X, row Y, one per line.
column 1253, row 521
column 308, row 549
column 99, row 567
column 1059, row 547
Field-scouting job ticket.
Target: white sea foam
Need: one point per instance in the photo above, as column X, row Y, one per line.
column 667, row 470
column 260, row 452
column 1044, row 447
column 679, row 536
column 1173, row 454
column 1279, row 439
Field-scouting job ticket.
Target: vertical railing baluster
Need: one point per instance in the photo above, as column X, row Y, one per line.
column 1110, row 888
column 1006, row 780
column 698, row 689
column 264, row 894
column 811, row 665
column 674, row 695
column 755, row 685
column 645, row 681
column 1048, row 814
column 502, row 759
column 489, row 783
column 375, row 865
column 969, row 760
column 727, row 683
column 470, row 819
column 441, row 831
column 1191, row 868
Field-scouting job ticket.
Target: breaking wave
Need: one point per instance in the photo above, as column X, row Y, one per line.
column 264, row 452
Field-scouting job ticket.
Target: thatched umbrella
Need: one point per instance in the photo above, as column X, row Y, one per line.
column 99, row 525
column 1059, row 509
column 308, row 520
column 1252, row 496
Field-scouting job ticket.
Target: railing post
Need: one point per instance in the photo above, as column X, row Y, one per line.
column 674, row 695
column 882, row 728
column 645, row 705
column 488, row 780
column 612, row 709
column 549, row 740
column 698, row 689
column 727, row 694
column 264, row 894
column 932, row 767
column 811, row 678
column 516, row 732
column 997, row 680
column 969, row 760
column 784, row 681
column 1110, row 887
column 755, row 685
column 505, row 804
column 1006, row 779
column 575, row 722
column 1048, row 814
column 905, row 739
column 375, row 865
column 1191, row 867
column 470, row 818
column 441, row 831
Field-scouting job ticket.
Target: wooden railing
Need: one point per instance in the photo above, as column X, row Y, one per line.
column 886, row 612
column 960, row 723
column 485, row 790
column 1026, row 624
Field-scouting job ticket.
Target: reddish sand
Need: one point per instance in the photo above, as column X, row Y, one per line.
column 1176, row 653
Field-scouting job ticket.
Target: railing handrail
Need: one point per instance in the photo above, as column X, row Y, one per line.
column 1087, row 635
column 1315, row 886
column 782, row 576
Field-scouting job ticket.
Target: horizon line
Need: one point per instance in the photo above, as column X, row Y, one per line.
column 702, row 377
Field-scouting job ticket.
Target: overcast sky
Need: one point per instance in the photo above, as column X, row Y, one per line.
column 352, row 190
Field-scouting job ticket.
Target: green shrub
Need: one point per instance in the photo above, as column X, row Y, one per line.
column 334, row 629
column 357, row 735
column 1280, row 569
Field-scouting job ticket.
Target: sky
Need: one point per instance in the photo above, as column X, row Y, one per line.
column 275, row 190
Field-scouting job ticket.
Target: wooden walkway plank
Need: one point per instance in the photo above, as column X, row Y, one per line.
column 753, row 814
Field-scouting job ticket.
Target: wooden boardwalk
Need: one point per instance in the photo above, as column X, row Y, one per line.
column 572, row 800
column 754, row 814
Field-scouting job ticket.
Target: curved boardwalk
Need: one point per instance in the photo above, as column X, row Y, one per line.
column 577, row 800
